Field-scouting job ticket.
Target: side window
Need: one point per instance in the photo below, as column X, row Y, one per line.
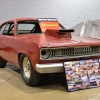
column 25, row 28
column 2, row 28
column 28, row 27
column 6, row 29
column 9, row 29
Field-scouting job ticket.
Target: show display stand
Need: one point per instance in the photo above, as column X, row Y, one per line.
column 82, row 74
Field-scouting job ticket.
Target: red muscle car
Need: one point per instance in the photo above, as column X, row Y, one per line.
column 41, row 45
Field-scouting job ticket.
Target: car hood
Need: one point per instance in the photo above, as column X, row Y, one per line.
column 47, row 41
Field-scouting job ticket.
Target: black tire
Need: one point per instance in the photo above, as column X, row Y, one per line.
column 2, row 63
column 34, row 78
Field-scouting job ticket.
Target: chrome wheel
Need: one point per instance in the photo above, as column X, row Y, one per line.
column 29, row 75
column 27, row 67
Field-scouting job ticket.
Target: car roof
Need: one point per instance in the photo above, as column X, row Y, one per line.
column 20, row 19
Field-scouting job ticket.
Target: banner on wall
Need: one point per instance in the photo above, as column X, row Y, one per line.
column 82, row 74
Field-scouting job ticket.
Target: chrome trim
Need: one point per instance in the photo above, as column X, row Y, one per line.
column 50, row 68
column 75, row 52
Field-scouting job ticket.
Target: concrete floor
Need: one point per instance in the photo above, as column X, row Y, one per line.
column 12, row 87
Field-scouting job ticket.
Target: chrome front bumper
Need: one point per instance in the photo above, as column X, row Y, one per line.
column 50, row 68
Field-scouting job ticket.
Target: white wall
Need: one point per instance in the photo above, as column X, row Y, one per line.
column 68, row 12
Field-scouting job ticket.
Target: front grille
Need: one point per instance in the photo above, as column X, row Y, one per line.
column 60, row 53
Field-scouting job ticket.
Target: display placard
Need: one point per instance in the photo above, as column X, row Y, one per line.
column 49, row 25
column 82, row 74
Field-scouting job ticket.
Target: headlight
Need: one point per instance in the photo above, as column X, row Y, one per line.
column 45, row 53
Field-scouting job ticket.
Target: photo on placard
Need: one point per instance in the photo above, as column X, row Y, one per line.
column 93, row 81
column 92, row 69
column 77, row 77
column 99, row 68
column 78, row 81
column 82, row 67
column 97, row 71
column 83, row 70
column 85, row 82
column 84, row 73
column 75, row 66
column 67, row 65
column 93, row 84
column 71, row 85
column 95, row 60
column 96, row 67
column 92, row 73
column 88, row 61
column 69, row 76
column 68, row 70
column 82, row 62
column 79, row 85
column 98, row 80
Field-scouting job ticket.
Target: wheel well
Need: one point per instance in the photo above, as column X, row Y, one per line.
column 19, row 58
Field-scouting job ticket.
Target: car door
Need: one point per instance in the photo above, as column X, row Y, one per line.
column 6, row 39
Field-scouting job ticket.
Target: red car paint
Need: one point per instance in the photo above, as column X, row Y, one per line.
column 30, row 44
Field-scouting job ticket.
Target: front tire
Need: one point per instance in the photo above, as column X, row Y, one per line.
column 2, row 63
column 29, row 75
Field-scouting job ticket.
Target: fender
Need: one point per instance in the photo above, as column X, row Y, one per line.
column 34, row 57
